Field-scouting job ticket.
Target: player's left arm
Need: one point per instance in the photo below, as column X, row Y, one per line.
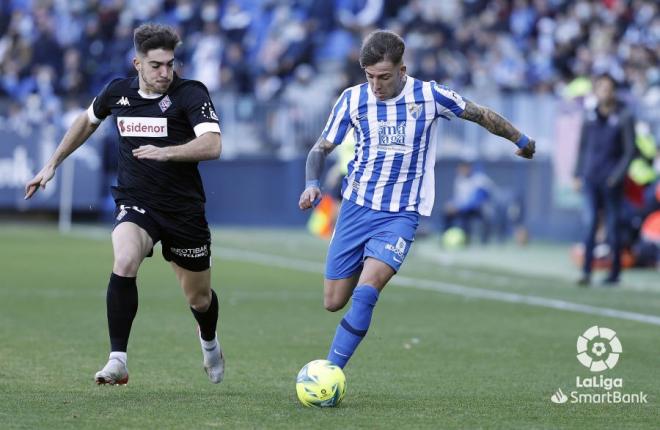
column 208, row 146
column 500, row 126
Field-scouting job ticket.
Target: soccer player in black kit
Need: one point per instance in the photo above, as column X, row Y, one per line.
column 166, row 125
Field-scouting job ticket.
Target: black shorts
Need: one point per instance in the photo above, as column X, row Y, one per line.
column 186, row 239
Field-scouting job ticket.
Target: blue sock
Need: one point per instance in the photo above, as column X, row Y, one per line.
column 353, row 327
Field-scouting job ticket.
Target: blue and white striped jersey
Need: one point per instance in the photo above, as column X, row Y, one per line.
column 392, row 169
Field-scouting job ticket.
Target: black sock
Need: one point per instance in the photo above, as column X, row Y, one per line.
column 208, row 320
column 122, row 304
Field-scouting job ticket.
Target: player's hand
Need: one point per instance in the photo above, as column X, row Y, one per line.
column 39, row 180
column 309, row 198
column 528, row 151
column 151, row 152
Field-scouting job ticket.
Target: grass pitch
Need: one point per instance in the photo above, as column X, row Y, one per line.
column 466, row 357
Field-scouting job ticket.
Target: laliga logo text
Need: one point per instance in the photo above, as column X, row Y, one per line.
column 598, row 349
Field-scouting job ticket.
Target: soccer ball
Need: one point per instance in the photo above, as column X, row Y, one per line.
column 321, row 384
column 453, row 238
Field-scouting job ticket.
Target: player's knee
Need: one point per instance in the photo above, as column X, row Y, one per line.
column 332, row 304
column 199, row 301
column 126, row 265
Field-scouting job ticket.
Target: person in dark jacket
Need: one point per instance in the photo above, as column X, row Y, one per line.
column 606, row 148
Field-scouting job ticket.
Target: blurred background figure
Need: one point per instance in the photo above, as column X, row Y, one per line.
column 274, row 66
column 472, row 195
column 607, row 146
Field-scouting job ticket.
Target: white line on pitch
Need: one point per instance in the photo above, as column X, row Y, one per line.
column 443, row 287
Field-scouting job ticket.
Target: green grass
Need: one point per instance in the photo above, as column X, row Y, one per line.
column 431, row 360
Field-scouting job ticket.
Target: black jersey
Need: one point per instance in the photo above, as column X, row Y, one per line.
column 174, row 118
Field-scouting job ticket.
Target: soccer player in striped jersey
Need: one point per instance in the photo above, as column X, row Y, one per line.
column 390, row 181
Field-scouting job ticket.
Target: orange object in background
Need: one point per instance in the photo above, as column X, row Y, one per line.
column 602, row 259
column 322, row 221
column 651, row 228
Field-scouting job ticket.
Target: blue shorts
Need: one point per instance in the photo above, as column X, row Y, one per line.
column 361, row 232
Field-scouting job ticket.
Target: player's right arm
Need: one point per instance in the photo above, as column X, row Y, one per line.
column 83, row 127
column 313, row 169
column 75, row 136
column 333, row 134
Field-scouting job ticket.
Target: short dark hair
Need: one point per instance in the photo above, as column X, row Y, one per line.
column 155, row 36
column 608, row 77
column 381, row 45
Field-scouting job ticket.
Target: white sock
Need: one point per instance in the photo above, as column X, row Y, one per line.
column 118, row 355
column 209, row 344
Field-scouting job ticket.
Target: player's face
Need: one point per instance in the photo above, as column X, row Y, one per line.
column 604, row 90
column 156, row 69
column 385, row 79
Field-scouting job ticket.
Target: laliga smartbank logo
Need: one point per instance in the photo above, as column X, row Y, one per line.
column 598, row 349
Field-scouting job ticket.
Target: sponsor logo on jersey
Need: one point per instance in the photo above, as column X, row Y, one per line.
column 391, row 135
column 142, row 126
column 165, row 103
column 123, row 101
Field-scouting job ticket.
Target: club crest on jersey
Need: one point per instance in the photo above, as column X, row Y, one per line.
column 391, row 134
column 416, row 110
column 165, row 103
column 123, row 101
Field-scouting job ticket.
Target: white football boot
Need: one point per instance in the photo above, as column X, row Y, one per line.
column 115, row 372
column 214, row 359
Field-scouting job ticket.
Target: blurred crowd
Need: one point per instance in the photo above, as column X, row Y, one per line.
column 56, row 54
column 274, row 67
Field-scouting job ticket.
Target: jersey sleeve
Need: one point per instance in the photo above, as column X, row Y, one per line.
column 339, row 122
column 448, row 103
column 100, row 107
column 200, row 110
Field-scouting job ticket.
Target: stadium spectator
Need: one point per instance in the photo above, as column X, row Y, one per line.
column 521, row 46
column 472, row 193
column 607, row 145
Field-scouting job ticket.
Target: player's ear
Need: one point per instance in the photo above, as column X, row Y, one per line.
column 137, row 64
column 403, row 69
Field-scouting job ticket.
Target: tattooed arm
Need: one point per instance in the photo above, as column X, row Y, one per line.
column 313, row 169
column 498, row 125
